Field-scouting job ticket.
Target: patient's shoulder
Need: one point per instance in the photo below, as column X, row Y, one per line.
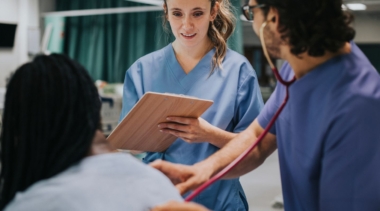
column 103, row 182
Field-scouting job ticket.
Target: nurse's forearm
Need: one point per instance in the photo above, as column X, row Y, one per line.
column 221, row 137
column 238, row 145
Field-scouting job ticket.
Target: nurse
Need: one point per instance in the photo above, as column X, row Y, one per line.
column 327, row 136
column 198, row 63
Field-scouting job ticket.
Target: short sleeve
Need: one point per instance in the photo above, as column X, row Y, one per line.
column 275, row 100
column 268, row 111
column 350, row 168
column 249, row 100
column 132, row 89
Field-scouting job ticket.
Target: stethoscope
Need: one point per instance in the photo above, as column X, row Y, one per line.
column 234, row 163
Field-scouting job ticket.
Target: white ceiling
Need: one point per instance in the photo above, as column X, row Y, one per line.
column 372, row 5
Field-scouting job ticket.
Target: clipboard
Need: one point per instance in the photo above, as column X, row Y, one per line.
column 139, row 128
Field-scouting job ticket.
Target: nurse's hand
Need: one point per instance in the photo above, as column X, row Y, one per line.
column 185, row 178
column 179, row 206
column 191, row 130
column 195, row 130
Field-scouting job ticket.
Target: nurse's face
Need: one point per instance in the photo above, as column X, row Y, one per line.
column 189, row 20
column 271, row 35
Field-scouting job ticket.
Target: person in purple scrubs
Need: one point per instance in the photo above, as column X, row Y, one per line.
column 328, row 135
column 198, row 63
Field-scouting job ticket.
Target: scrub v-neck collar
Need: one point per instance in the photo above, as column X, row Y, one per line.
column 186, row 80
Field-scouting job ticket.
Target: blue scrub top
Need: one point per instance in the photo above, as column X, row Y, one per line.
column 328, row 136
column 237, row 102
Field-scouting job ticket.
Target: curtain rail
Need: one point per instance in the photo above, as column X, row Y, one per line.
column 152, row 2
column 74, row 13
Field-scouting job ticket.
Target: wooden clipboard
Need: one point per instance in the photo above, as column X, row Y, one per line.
column 139, row 128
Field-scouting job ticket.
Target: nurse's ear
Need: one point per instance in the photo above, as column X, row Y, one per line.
column 273, row 19
column 165, row 11
column 214, row 11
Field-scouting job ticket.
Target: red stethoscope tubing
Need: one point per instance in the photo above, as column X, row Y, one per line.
column 234, row 163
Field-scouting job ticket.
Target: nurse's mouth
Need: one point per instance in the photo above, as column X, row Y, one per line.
column 188, row 36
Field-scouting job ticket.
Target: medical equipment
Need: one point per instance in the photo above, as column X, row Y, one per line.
column 260, row 138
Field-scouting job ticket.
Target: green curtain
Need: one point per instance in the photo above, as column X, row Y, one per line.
column 236, row 40
column 106, row 45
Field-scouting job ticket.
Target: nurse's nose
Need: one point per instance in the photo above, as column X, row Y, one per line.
column 187, row 23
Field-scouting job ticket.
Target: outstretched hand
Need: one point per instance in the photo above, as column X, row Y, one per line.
column 179, row 206
column 191, row 130
column 185, row 178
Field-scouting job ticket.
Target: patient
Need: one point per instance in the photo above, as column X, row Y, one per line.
column 53, row 155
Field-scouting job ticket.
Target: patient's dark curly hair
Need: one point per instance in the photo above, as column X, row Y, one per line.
column 312, row 26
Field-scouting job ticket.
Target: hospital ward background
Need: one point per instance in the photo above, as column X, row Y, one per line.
column 108, row 36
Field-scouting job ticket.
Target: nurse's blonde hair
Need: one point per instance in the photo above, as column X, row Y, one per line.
column 219, row 30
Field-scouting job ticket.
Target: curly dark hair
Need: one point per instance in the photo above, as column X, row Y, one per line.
column 312, row 26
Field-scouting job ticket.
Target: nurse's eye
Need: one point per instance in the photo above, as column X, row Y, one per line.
column 177, row 14
column 197, row 14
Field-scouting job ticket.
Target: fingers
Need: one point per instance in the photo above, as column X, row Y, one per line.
column 181, row 131
column 179, row 206
column 182, row 176
column 175, row 172
column 167, row 168
column 172, row 205
column 175, row 126
column 182, row 120
column 184, row 136
column 190, row 184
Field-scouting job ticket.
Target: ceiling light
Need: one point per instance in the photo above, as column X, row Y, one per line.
column 356, row 6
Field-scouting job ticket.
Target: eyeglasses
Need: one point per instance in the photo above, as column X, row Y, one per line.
column 248, row 10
